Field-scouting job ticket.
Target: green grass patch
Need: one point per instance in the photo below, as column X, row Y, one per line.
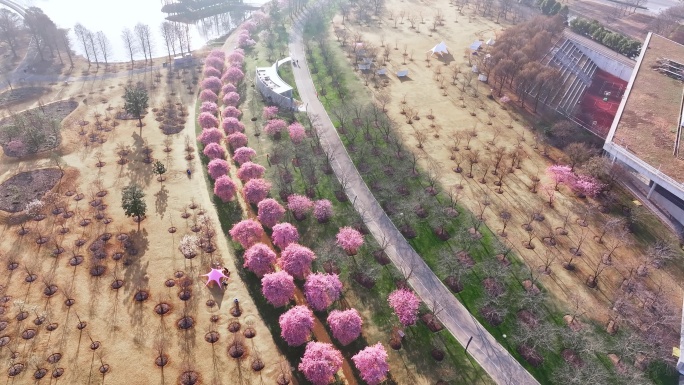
column 285, row 73
column 374, row 166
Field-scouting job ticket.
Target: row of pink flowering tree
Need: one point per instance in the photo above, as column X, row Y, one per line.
column 287, row 262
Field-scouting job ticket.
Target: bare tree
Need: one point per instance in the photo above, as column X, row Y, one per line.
column 10, row 29
column 472, row 158
column 82, row 35
column 66, row 45
column 505, row 217
column 149, row 43
column 105, row 46
column 94, row 47
column 547, row 259
column 596, row 270
column 129, row 43
column 168, row 33
column 141, row 34
column 580, row 238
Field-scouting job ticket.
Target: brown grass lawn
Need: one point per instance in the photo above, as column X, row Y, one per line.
column 422, row 93
column 121, row 332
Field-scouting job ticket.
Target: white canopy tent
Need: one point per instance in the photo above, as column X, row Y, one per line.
column 439, row 49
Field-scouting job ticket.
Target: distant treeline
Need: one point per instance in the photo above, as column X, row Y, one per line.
column 613, row 40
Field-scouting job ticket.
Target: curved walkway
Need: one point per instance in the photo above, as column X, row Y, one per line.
column 491, row 356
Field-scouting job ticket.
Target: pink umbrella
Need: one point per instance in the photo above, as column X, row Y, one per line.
column 214, row 275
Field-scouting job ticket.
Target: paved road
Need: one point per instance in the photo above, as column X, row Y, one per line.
column 491, row 356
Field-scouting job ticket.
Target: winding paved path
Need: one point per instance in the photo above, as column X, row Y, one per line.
column 491, row 356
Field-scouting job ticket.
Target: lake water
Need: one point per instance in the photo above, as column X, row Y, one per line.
column 111, row 17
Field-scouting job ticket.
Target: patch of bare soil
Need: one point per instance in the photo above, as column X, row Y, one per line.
column 493, row 287
column 364, row 280
column 465, row 259
column 570, row 356
column 432, row 322
column 22, row 188
column 454, row 284
column 528, row 318
column 21, row 95
column 491, row 315
column 530, row 355
column 34, row 130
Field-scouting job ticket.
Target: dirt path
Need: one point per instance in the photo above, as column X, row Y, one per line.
column 493, row 358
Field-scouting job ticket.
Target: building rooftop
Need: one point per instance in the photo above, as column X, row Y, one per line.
column 270, row 77
column 649, row 124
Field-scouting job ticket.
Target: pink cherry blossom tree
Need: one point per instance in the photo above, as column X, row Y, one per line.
column 211, row 72
column 208, row 96
column 232, row 125
column 210, row 135
column 259, row 259
column 231, row 112
column 217, row 168
column 270, row 212
column 243, row 154
column 320, row 363
column 586, row 185
column 270, row 112
column 224, row 188
column 560, row 174
column 260, row 17
column 214, row 150
column 321, row 290
column 217, row 53
column 296, row 260
column 249, row 26
column 214, row 62
column 405, row 305
column 284, row 234
column 275, row 127
column 372, row 364
column 300, row 205
column 278, row 288
column 296, row 325
column 231, row 99
column 228, row 87
column 297, row 132
column 245, row 40
column 207, row 120
column 212, row 83
column 349, row 239
column 210, row 107
column 250, row 170
column 236, row 58
column 237, row 140
column 345, row 325
column 256, row 190
column 247, row 232
column 233, row 75
column 322, row 210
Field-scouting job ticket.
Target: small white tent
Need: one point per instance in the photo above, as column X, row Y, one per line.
column 439, row 49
